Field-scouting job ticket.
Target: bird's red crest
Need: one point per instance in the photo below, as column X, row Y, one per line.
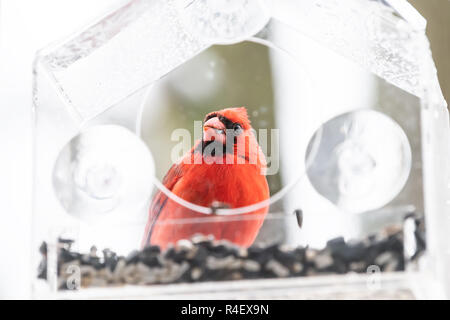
column 237, row 115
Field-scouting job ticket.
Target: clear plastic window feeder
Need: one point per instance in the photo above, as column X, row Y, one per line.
column 345, row 105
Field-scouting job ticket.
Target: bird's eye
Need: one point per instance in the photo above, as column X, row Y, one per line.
column 237, row 129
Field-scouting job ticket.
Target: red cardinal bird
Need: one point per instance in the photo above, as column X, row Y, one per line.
column 225, row 169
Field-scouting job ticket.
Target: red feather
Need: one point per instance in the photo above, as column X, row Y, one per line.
column 236, row 184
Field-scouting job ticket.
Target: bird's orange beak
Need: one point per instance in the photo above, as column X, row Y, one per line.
column 214, row 130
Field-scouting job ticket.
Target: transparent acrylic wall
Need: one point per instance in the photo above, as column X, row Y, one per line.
column 362, row 127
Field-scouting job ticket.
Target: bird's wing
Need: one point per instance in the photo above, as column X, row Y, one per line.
column 174, row 175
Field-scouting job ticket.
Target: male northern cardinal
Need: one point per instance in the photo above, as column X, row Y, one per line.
column 226, row 169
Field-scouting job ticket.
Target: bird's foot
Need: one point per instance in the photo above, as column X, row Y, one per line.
column 217, row 205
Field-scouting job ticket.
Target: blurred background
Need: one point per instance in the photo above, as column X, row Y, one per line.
column 437, row 13
column 26, row 26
